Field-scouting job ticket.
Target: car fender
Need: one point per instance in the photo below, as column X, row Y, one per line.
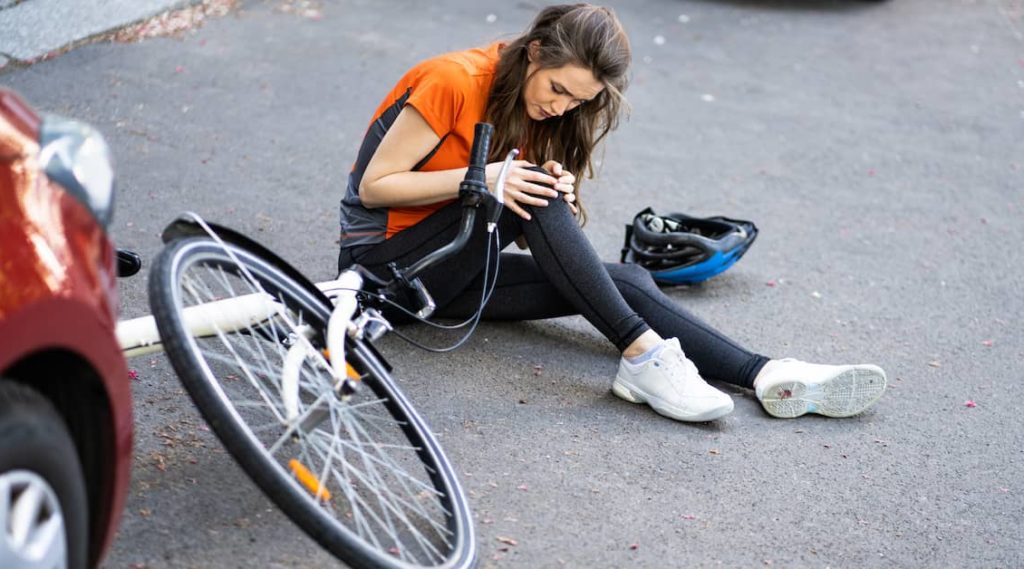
column 30, row 330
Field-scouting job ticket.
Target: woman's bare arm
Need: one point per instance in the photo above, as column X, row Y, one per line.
column 389, row 179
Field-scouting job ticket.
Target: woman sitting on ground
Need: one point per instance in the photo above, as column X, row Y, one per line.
column 554, row 93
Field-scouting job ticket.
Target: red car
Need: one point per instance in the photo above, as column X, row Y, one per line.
column 65, row 403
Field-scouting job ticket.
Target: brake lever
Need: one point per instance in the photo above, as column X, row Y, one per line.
column 494, row 206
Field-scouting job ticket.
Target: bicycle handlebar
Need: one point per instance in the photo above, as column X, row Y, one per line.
column 476, row 175
column 473, row 192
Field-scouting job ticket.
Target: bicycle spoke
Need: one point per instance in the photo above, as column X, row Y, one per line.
column 293, row 428
column 395, row 470
column 387, row 461
column 372, row 479
column 388, row 508
column 191, row 285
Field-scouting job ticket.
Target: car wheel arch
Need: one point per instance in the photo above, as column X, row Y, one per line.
column 79, row 395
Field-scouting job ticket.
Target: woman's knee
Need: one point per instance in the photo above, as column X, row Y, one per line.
column 556, row 210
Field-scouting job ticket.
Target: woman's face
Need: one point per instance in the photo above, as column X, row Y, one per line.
column 555, row 91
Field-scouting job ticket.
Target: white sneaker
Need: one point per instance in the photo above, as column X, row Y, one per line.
column 791, row 388
column 670, row 384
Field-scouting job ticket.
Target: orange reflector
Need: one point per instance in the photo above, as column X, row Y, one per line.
column 308, row 480
column 351, row 371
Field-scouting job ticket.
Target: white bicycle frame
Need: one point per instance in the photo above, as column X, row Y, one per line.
column 139, row 336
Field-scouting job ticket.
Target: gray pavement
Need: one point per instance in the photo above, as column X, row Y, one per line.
column 878, row 147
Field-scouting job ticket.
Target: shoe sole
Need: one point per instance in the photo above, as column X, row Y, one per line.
column 625, row 390
column 847, row 393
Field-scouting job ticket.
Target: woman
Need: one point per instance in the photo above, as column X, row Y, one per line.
column 554, row 93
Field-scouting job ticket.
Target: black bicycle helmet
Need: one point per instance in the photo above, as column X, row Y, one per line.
column 680, row 249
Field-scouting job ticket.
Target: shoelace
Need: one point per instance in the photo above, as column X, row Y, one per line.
column 676, row 360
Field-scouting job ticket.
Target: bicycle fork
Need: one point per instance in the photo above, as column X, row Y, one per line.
column 339, row 325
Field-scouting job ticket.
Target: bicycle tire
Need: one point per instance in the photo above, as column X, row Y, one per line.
column 401, row 506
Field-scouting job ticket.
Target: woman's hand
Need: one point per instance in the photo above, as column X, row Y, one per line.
column 522, row 186
column 566, row 183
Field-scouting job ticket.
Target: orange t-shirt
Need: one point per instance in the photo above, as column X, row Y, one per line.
column 451, row 92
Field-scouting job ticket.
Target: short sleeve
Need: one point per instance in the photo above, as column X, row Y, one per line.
column 439, row 95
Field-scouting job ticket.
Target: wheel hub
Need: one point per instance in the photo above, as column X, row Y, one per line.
column 32, row 530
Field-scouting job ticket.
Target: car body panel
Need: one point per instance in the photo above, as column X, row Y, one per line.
column 58, row 288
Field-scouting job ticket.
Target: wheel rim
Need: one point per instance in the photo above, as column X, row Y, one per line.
column 34, row 535
column 368, row 479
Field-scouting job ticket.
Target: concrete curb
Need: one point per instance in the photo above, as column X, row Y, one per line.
column 33, row 28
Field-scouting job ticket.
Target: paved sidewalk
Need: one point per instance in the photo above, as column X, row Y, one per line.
column 30, row 29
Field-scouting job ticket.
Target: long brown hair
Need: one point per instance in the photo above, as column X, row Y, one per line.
column 569, row 34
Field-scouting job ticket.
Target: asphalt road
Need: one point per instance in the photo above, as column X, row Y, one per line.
column 878, row 146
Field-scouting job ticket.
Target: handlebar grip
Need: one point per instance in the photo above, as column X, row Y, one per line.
column 481, row 145
column 477, row 175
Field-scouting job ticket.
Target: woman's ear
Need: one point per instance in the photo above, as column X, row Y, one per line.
column 533, row 51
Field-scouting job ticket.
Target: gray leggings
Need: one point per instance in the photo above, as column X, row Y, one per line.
column 562, row 276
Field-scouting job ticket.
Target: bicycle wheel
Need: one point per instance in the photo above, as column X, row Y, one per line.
column 361, row 474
